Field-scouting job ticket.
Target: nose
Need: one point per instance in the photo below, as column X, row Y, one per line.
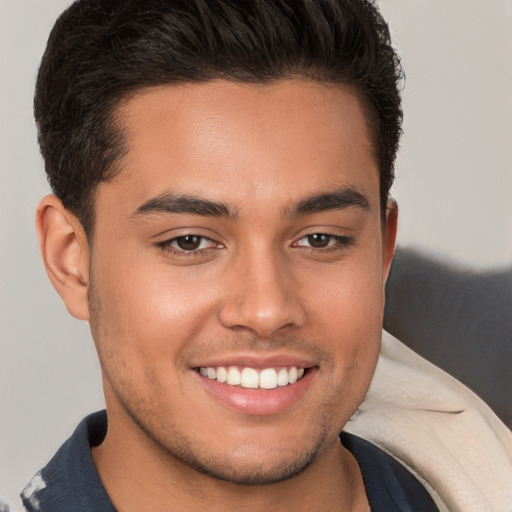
column 262, row 296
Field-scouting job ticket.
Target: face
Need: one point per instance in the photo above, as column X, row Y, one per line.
column 237, row 274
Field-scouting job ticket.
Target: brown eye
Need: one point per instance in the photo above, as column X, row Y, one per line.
column 319, row 240
column 189, row 242
column 188, row 245
column 325, row 241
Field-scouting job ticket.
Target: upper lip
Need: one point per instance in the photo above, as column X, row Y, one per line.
column 257, row 361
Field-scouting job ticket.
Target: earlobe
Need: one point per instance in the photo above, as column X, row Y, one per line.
column 65, row 253
column 389, row 239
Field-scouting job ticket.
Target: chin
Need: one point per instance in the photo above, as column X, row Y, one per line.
column 249, row 468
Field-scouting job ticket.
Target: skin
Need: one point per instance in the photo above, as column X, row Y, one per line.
column 254, row 287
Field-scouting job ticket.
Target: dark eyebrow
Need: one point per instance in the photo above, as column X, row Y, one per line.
column 339, row 199
column 171, row 203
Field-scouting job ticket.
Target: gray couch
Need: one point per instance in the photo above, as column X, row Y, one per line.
column 458, row 318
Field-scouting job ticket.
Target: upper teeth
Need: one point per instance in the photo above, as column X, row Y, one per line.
column 269, row 378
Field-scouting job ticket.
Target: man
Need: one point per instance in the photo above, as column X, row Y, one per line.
column 221, row 218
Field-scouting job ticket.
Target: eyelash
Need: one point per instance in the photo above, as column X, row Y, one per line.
column 166, row 246
column 341, row 242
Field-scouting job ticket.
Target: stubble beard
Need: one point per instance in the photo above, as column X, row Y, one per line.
column 241, row 472
column 173, row 443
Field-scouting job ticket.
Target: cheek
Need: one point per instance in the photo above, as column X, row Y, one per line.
column 154, row 314
column 150, row 290
column 349, row 297
column 346, row 312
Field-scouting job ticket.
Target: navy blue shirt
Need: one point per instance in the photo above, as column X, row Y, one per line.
column 70, row 482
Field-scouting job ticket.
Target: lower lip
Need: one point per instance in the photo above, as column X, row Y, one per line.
column 258, row 402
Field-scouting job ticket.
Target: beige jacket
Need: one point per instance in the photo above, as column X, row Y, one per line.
column 439, row 429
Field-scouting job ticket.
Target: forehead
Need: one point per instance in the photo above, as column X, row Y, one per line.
column 246, row 141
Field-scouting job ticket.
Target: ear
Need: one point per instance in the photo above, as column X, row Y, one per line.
column 389, row 237
column 65, row 252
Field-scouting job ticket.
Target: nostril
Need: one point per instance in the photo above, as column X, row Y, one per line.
column 263, row 321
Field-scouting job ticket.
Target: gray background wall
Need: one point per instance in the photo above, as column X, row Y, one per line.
column 454, row 191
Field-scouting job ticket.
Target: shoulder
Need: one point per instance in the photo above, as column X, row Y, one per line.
column 70, row 481
column 389, row 485
column 438, row 429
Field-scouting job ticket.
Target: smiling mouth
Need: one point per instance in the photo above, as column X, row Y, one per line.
column 251, row 378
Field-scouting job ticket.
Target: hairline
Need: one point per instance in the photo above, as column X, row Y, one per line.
column 112, row 119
